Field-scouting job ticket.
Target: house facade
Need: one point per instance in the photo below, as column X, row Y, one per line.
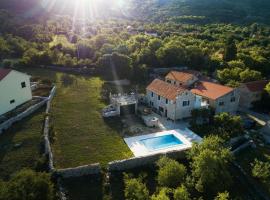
column 219, row 97
column 251, row 92
column 15, row 89
column 169, row 100
column 181, row 78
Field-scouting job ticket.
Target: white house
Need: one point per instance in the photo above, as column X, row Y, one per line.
column 181, row 78
column 15, row 89
column 219, row 97
column 251, row 92
column 171, row 101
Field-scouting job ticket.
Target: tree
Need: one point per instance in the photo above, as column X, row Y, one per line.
column 260, row 169
column 181, row 193
column 223, row 196
column 267, row 88
column 230, row 125
column 162, row 195
column 250, row 75
column 29, row 185
column 209, row 163
column 135, row 189
column 230, row 49
column 170, row 172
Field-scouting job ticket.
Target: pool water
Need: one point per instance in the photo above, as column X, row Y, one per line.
column 161, row 142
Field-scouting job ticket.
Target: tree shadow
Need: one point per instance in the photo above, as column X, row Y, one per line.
column 84, row 188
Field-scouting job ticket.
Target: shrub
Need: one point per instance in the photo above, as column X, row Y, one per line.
column 223, row 196
column 181, row 193
column 29, row 185
column 162, row 195
column 261, row 170
column 170, row 173
column 135, row 189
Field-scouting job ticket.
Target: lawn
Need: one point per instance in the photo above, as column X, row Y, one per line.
column 81, row 134
column 20, row 145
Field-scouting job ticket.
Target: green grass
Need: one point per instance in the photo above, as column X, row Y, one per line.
column 81, row 134
column 28, row 133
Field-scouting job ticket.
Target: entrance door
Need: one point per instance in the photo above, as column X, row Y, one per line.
column 166, row 113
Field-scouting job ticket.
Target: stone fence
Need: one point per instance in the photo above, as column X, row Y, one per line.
column 7, row 124
column 47, row 144
column 79, row 171
column 131, row 163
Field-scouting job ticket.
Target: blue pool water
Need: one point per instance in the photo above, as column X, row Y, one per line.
column 161, row 142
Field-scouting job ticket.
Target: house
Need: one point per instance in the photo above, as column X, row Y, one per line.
column 171, row 101
column 15, row 89
column 219, row 97
column 251, row 92
column 178, row 78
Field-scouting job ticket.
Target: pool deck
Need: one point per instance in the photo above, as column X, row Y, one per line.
column 185, row 135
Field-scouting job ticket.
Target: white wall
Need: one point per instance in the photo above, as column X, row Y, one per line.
column 10, row 88
column 230, row 107
column 175, row 110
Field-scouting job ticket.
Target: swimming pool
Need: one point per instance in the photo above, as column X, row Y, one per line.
column 161, row 142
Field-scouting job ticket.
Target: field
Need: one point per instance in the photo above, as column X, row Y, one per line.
column 20, row 145
column 81, row 134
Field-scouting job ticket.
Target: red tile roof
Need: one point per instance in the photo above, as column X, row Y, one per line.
column 4, row 73
column 180, row 76
column 256, row 86
column 164, row 89
column 211, row 90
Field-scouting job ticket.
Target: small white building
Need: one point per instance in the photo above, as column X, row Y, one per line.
column 15, row 89
column 121, row 104
column 169, row 100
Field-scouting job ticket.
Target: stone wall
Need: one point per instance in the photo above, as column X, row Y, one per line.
column 47, row 144
column 131, row 163
column 7, row 124
column 79, row 171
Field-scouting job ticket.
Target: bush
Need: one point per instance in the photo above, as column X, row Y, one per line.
column 162, row 195
column 261, row 170
column 223, row 196
column 135, row 189
column 181, row 193
column 170, row 173
column 29, row 185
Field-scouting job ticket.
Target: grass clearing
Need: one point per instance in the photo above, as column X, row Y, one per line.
column 27, row 135
column 81, row 134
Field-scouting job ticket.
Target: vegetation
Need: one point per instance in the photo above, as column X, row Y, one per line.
column 81, row 137
column 27, row 184
column 21, row 145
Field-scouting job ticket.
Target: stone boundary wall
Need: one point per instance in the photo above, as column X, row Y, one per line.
column 7, row 124
column 79, row 171
column 131, row 163
column 46, row 129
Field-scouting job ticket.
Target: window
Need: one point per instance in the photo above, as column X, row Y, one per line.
column 12, row 101
column 161, row 109
column 23, row 84
column 158, row 97
column 221, row 103
column 167, row 101
column 185, row 103
column 168, row 81
column 152, row 94
column 174, row 82
column 233, row 99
